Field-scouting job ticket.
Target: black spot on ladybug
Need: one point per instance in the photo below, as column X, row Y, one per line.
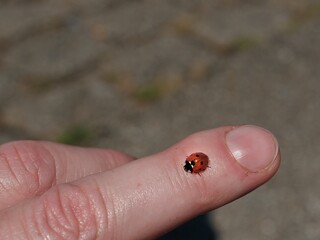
column 197, row 155
column 201, row 163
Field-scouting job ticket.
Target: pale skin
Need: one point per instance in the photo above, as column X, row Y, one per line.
column 54, row 191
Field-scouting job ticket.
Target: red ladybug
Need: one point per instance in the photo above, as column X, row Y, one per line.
column 196, row 163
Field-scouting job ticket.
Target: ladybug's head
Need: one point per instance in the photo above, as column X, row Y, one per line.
column 188, row 167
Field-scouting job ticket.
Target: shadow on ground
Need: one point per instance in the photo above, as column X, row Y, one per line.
column 197, row 228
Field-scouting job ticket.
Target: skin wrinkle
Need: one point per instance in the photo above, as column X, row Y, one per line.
column 93, row 209
column 35, row 183
column 109, row 197
column 34, row 165
column 63, row 163
column 84, row 209
column 66, row 169
column 47, row 169
column 65, row 208
column 78, row 172
column 4, row 183
column 19, row 158
column 31, row 164
column 30, row 221
column 87, row 216
column 5, row 159
column 31, row 155
column 48, row 219
column 175, row 181
column 44, row 220
column 3, row 188
column 32, row 177
column 59, row 212
column 110, row 159
column 99, row 207
column 112, row 219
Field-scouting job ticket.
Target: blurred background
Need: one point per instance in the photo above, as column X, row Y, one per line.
column 140, row 75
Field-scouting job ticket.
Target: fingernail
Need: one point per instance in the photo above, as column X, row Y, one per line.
column 253, row 147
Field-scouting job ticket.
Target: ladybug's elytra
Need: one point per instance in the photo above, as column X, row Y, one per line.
column 196, row 163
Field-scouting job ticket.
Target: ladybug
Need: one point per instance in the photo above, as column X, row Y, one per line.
column 196, row 163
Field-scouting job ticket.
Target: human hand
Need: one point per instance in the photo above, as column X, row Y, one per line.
column 53, row 191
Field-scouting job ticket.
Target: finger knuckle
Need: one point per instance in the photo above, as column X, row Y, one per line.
column 68, row 212
column 23, row 167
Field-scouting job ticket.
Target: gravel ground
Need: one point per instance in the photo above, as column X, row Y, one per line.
column 140, row 75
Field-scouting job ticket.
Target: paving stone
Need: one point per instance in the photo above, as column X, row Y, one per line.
column 231, row 25
column 11, row 134
column 164, row 57
column 54, row 55
column 94, row 5
column 7, row 89
column 135, row 21
column 19, row 21
column 48, row 114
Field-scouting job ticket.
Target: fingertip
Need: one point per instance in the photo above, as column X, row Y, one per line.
column 234, row 170
column 254, row 148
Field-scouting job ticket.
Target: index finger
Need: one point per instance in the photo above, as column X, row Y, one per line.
column 146, row 198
